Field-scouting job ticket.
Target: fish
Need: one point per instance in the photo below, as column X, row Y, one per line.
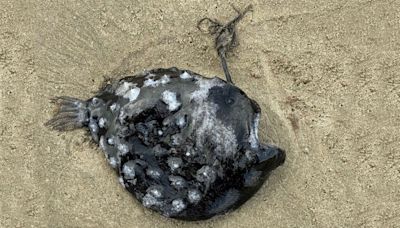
column 183, row 144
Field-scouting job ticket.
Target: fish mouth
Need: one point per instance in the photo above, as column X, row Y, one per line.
column 270, row 157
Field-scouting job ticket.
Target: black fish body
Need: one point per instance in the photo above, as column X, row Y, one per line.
column 184, row 145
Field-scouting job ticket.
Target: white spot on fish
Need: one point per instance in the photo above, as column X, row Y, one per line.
column 123, row 148
column 114, row 107
column 165, row 79
column 204, row 86
column 178, row 205
column 110, row 140
column 206, row 174
column 171, row 100
column 129, row 170
column 253, row 139
column 180, row 121
column 153, row 173
column 121, row 181
column 194, row 196
column 155, row 191
column 177, row 181
column 102, row 122
column 151, row 82
column 132, row 94
column 112, row 161
column 185, row 75
column 174, row 163
column 102, row 143
column 93, row 127
column 124, row 87
column 149, row 200
column 176, row 139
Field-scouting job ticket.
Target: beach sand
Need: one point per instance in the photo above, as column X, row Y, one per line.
column 325, row 73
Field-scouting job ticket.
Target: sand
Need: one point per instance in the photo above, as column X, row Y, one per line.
column 325, row 73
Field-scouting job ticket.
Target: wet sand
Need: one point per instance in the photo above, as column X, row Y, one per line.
column 326, row 75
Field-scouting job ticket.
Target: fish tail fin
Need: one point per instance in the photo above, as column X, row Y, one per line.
column 72, row 114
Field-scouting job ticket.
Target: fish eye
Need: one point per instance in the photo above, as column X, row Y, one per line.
column 230, row 101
